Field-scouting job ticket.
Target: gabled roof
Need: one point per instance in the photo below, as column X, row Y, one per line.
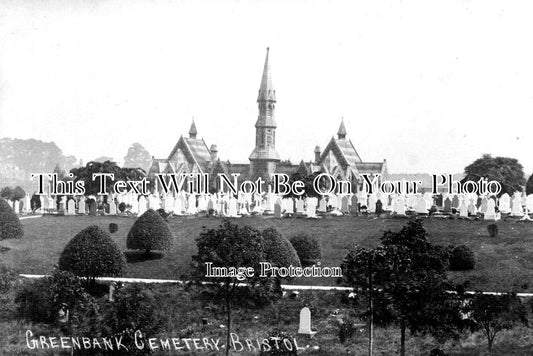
column 194, row 149
column 344, row 150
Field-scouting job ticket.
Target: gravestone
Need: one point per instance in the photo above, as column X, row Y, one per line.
column 490, row 212
column 472, row 210
column 71, row 207
column 16, row 207
column 463, row 209
column 322, row 205
column 277, row 210
column 516, row 209
column 505, row 203
column 299, row 206
column 455, row 202
column 354, row 205
column 305, row 322
column 483, row 207
column 421, row 206
column 439, row 201
column 447, row 206
column 399, row 205
column 345, row 208
column 379, row 208
column 81, row 205
column 112, row 208
column 191, row 205
column 143, row 205
column 232, row 208
column 311, row 208
column 288, row 205
column 92, row 208
column 62, row 206
column 372, row 203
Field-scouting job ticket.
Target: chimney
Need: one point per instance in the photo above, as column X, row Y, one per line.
column 317, row 154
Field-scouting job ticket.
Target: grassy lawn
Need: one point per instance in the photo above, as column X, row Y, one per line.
column 504, row 263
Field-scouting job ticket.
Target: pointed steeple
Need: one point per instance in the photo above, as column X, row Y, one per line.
column 342, row 131
column 266, row 90
column 192, row 130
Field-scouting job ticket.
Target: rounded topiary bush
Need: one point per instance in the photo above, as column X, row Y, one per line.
column 149, row 232
column 462, row 258
column 92, row 253
column 122, row 207
column 10, row 227
column 307, row 248
column 278, row 250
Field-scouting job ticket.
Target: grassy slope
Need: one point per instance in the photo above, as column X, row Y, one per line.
column 504, row 263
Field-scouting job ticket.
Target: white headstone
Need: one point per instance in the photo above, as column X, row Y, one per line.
column 305, row 322
column 505, row 203
column 143, row 205
column 71, row 207
column 81, row 205
column 311, row 208
column 112, row 208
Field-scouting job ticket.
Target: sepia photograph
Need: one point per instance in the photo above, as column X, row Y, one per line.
column 266, row 177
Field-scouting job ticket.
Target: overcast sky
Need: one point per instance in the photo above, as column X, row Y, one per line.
column 428, row 85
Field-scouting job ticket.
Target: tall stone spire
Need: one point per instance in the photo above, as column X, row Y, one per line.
column 342, row 131
column 264, row 156
column 192, row 131
column 266, row 90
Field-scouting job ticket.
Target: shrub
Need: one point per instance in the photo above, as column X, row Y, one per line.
column 92, row 253
column 278, row 250
column 122, row 207
column 134, row 309
column 346, row 331
column 279, row 344
column 7, row 279
column 493, row 230
column 307, row 248
column 40, row 300
column 10, row 227
column 462, row 259
column 149, row 232
column 113, row 228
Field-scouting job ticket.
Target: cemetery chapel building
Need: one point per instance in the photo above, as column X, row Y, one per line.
column 192, row 155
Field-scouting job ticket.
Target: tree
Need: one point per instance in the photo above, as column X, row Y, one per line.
column 10, row 227
column 529, row 185
column 507, row 171
column 92, row 253
column 6, row 193
column 229, row 246
column 494, row 313
column 149, row 232
column 137, row 157
column 406, row 274
column 92, row 187
column 18, row 193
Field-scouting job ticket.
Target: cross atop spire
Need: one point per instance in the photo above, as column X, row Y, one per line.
column 192, row 130
column 266, row 90
column 342, row 130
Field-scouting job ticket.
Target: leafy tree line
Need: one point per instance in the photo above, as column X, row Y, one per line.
column 403, row 282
